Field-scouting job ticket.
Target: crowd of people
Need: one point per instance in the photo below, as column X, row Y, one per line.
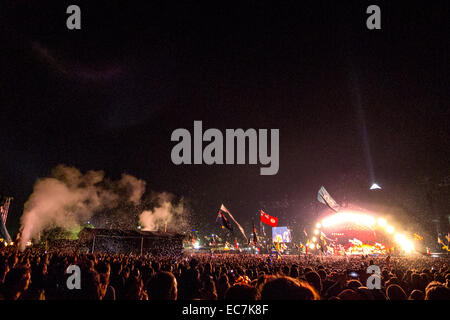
column 37, row 275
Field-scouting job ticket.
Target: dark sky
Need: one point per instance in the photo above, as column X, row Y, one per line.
column 108, row 97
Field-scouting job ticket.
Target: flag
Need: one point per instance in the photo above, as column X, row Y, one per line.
column 418, row 237
column 255, row 238
column 278, row 249
column 324, row 197
column 277, row 246
column 440, row 241
column 322, row 238
column 4, row 208
column 268, row 219
column 322, row 247
column 326, row 238
column 3, row 216
column 447, row 237
column 322, row 242
column 222, row 208
column 236, row 246
column 4, row 232
column 302, row 247
column 224, row 221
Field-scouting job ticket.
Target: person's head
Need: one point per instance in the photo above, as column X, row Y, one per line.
column 287, row 288
column 286, row 270
column 104, row 281
column 104, row 269
column 385, row 275
column 116, row 267
column 395, row 292
column 392, row 280
column 13, row 261
column 294, row 272
column 90, row 285
column 209, row 285
column 433, row 284
column 4, row 269
column 156, row 266
column 223, row 280
column 365, row 293
column 241, row 292
column 398, row 273
column 349, row 294
column 307, row 269
column 416, row 295
column 437, row 291
column 43, row 268
column 126, row 272
column 136, row 273
column 134, row 288
column 193, row 274
column 163, row 286
column 88, row 264
column 439, row 277
column 193, row 263
column 207, row 268
column 425, row 278
column 416, row 281
column 314, row 279
column 353, row 284
column 17, row 282
column 323, row 274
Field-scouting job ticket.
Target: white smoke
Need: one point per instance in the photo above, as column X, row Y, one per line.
column 69, row 197
column 165, row 214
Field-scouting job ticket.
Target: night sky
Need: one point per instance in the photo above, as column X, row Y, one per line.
column 108, row 96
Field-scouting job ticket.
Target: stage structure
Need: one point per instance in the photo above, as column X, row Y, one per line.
column 281, row 234
column 357, row 232
column 130, row 241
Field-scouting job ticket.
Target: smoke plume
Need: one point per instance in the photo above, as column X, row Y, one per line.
column 68, row 198
column 166, row 213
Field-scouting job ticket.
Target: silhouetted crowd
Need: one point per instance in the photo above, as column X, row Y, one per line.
column 37, row 275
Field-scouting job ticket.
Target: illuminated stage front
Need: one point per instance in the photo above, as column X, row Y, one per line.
column 356, row 232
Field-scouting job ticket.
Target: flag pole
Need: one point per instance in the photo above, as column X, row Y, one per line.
column 260, row 233
column 93, row 244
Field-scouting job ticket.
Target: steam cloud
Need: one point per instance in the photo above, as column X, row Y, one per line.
column 69, row 198
column 166, row 212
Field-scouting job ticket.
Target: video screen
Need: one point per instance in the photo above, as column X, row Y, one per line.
column 281, row 234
